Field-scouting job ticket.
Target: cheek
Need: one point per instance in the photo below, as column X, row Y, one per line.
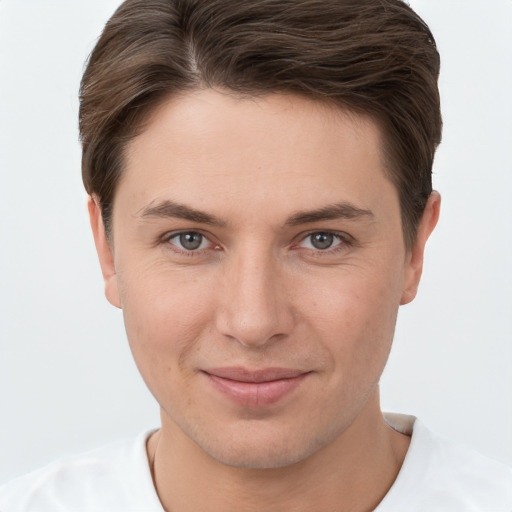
column 164, row 315
column 355, row 315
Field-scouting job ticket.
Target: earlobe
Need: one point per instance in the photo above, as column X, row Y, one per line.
column 105, row 254
column 414, row 263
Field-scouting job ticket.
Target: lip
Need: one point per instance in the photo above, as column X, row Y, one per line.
column 255, row 388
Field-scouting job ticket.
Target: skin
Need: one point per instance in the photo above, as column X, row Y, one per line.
column 259, row 293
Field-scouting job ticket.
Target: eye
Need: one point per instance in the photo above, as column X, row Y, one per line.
column 189, row 241
column 322, row 241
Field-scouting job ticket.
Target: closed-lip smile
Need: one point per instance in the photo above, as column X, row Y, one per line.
column 255, row 388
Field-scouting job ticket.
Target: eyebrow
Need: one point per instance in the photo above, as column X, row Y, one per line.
column 334, row 211
column 171, row 209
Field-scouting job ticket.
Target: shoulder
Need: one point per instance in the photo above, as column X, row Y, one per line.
column 107, row 478
column 438, row 474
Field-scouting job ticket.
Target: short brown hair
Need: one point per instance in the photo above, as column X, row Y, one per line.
column 375, row 57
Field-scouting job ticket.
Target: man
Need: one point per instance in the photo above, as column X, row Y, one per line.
column 260, row 197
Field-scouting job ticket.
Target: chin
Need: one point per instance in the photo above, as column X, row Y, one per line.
column 260, row 451
column 258, row 458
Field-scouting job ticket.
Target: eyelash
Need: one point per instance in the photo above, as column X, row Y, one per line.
column 344, row 239
column 191, row 253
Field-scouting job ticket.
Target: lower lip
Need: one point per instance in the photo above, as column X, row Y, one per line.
column 255, row 394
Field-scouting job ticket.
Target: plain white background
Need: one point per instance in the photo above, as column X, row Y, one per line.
column 67, row 380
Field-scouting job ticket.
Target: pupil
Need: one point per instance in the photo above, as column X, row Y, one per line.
column 191, row 241
column 322, row 240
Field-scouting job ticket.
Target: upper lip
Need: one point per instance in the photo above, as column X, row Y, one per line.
column 241, row 374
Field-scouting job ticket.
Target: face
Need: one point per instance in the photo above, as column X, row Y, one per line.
column 258, row 257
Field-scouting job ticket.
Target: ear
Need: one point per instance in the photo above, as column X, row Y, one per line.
column 414, row 258
column 105, row 254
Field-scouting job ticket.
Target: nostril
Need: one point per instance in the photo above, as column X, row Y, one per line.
column 254, row 325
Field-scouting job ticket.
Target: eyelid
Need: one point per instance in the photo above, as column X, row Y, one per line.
column 167, row 237
column 345, row 240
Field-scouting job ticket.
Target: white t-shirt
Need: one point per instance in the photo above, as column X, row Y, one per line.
column 436, row 476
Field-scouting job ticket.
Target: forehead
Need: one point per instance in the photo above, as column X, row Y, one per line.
column 213, row 148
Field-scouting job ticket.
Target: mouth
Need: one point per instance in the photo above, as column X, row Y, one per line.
column 255, row 388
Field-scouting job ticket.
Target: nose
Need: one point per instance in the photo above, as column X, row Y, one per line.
column 254, row 308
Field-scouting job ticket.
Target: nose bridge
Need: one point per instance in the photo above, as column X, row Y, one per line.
column 254, row 308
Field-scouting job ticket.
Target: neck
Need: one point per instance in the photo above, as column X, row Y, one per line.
column 353, row 473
